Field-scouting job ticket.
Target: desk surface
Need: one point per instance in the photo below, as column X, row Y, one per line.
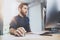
column 31, row 37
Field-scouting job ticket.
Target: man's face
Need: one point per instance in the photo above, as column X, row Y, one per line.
column 24, row 10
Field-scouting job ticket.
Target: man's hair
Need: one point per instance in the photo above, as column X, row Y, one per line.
column 21, row 5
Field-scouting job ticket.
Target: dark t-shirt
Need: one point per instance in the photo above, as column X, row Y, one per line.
column 18, row 21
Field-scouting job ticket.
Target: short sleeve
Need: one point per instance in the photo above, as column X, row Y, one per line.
column 13, row 24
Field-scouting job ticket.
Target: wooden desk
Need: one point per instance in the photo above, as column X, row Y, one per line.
column 31, row 37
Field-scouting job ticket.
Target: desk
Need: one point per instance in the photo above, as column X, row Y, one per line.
column 31, row 37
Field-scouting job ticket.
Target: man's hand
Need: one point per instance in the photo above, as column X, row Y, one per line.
column 19, row 32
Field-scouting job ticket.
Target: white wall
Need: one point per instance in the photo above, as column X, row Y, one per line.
column 35, row 18
column 9, row 11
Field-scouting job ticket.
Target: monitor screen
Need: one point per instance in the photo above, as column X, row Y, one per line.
column 52, row 13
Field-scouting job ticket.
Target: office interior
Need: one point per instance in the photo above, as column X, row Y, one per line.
column 9, row 9
column 39, row 16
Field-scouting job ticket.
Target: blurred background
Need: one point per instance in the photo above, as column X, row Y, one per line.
column 36, row 12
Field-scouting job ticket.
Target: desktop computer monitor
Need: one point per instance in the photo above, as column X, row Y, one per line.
column 52, row 16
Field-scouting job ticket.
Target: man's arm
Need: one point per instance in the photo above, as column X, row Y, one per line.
column 14, row 30
column 18, row 32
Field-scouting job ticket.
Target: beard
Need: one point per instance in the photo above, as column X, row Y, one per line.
column 24, row 14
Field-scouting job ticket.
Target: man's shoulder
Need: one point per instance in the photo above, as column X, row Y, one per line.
column 14, row 18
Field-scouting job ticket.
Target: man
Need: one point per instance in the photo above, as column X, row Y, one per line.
column 20, row 23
